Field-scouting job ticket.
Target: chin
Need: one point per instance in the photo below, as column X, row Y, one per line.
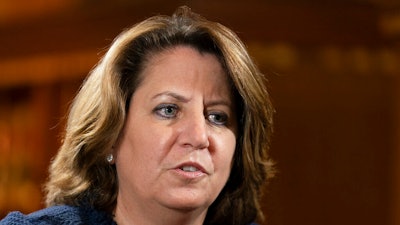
column 189, row 202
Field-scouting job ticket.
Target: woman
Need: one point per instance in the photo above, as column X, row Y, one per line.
column 171, row 127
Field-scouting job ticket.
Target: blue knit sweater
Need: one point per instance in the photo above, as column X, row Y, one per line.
column 61, row 215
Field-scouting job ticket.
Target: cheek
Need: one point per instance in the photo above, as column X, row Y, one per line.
column 132, row 150
column 138, row 154
column 146, row 144
column 225, row 146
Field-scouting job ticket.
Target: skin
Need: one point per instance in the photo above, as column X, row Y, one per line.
column 182, row 114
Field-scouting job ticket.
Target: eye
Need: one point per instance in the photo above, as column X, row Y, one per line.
column 167, row 111
column 218, row 118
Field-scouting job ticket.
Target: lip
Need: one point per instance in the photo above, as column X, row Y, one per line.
column 188, row 174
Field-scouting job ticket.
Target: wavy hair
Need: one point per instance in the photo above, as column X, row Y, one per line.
column 80, row 175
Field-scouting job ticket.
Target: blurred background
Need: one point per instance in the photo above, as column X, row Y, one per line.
column 334, row 75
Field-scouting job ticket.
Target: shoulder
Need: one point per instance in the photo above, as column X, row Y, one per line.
column 59, row 215
column 51, row 215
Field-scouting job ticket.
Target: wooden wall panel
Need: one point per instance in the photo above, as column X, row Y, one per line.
column 334, row 142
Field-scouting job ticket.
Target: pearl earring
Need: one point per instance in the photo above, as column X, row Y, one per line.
column 110, row 158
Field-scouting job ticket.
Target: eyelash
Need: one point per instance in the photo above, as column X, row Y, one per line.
column 211, row 117
column 161, row 110
column 216, row 118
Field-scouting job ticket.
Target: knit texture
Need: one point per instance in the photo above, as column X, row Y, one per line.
column 61, row 215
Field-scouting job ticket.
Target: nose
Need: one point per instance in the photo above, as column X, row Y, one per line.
column 194, row 133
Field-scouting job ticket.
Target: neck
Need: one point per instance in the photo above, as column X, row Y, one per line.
column 132, row 214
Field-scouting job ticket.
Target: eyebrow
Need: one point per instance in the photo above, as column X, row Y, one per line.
column 182, row 98
column 220, row 102
column 171, row 94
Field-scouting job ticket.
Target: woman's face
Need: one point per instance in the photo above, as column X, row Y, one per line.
column 178, row 142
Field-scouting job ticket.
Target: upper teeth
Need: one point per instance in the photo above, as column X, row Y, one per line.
column 189, row 169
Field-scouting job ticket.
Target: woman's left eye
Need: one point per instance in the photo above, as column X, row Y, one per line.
column 218, row 118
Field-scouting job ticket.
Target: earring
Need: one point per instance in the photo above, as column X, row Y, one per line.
column 110, row 158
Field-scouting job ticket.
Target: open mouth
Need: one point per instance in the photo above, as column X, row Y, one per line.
column 189, row 168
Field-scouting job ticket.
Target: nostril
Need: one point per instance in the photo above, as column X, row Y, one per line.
column 194, row 132
column 195, row 138
column 196, row 144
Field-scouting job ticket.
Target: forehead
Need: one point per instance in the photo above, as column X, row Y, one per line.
column 179, row 58
column 184, row 68
column 153, row 56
